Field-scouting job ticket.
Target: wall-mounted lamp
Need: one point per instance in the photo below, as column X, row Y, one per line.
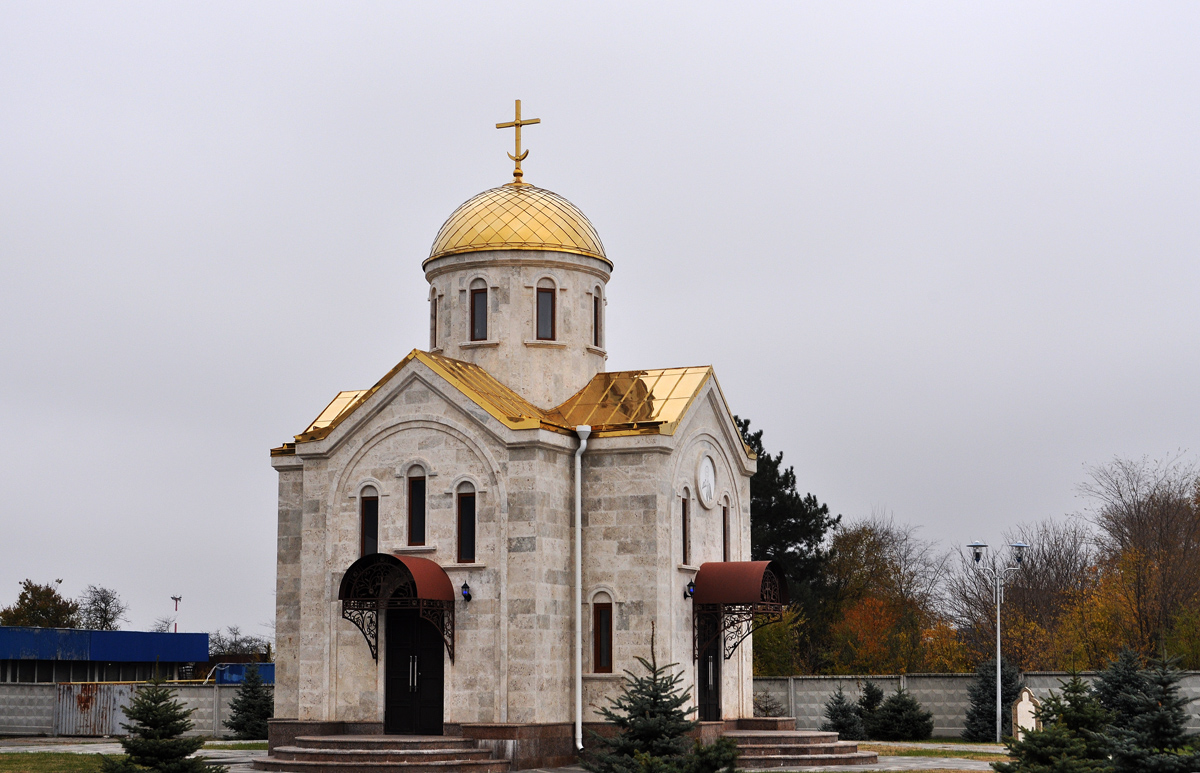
column 466, row 592
column 690, row 590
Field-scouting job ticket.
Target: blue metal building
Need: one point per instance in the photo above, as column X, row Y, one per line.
column 73, row 655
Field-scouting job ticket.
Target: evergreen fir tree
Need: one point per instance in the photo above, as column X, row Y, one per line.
column 868, row 706
column 842, row 718
column 981, row 716
column 155, row 739
column 1118, row 686
column 1069, row 741
column 901, row 718
column 251, row 708
column 1155, row 740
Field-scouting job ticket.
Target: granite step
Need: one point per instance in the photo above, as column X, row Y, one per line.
column 378, row 755
column 318, row 766
column 807, row 760
column 769, row 737
column 768, row 750
column 384, row 742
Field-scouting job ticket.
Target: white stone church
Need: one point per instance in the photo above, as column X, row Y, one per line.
column 481, row 541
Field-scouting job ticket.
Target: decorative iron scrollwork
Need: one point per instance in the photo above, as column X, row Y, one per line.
column 382, row 582
column 734, row 623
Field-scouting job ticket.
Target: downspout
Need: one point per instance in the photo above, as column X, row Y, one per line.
column 582, row 431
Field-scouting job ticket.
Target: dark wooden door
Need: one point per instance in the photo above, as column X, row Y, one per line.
column 415, row 675
column 708, row 675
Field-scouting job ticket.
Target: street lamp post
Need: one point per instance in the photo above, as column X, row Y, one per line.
column 998, row 575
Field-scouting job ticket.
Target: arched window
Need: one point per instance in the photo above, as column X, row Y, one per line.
column 416, row 506
column 725, row 530
column 368, row 508
column 683, row 523
column 602, row 633
column 433, row 318
column 597, row 318
column 466, row 524
column 479, row 310
column 545, row 310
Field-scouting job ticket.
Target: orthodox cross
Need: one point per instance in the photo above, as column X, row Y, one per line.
column 517, row 124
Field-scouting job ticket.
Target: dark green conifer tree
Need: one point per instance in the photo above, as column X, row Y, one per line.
column 653, row 729
column 868, row 706
column 1155, row 740
column 981, row 716
column 1118, row 686
column 901, row 718
column 842, row 718
column 251, row 708
column 155, row 741
column 1069, row 741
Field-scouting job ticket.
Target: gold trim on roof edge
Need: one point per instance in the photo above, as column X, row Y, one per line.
column 517, row 216
column 616, row 404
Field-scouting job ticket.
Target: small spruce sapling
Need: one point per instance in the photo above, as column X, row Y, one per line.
column 868, row 706
column 155, row 741
column 251, row 708
column 1069, row 741
column 842, row 718
column 980, row 723
column 1119, row 685
column 901, row 718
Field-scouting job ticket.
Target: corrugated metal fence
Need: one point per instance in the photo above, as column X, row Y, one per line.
column 98, row 708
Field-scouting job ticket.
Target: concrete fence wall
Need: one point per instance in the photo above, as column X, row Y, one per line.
column 29, row 709
column 804, row 697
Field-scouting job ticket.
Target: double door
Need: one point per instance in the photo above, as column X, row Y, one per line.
column 708, row 672
column 415, row 689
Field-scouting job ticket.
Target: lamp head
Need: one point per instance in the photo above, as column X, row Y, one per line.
column 466, row 592
column 977, row 549
column 690, row 590
column 1018, row 549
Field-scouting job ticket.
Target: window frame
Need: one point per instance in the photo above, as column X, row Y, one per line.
column 461, row 497
column 412, row 479
column 683, row 523
column 363, row 501
column 725, row 531
column 433, row 320
column 602, row 637
column 539, row 293
column 478, row 320
column 597, row 320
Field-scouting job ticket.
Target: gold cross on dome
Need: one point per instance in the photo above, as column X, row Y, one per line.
column 517, row 124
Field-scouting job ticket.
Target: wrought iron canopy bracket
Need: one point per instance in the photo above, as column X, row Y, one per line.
column 364, row 613
column 733, row 623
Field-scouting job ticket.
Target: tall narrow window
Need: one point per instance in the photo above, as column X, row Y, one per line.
column 724, row 532
column 597, row 305
column 466, row 525
column 684, row 523
column 602, row 637
column 433, row 321
column 416, row 506
column 479, row 331
column 545, row 314
column 369, row 511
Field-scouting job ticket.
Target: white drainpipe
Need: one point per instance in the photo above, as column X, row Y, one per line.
column 582, row 431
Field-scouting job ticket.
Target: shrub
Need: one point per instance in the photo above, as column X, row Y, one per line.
column 1068, row 741
column 155, row 739
column 868, row 705
column 251, row 708
column 981, row 716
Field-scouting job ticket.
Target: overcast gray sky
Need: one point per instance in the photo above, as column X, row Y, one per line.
column 946, row 255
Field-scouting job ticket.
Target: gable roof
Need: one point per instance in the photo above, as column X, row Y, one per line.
column 629, row 402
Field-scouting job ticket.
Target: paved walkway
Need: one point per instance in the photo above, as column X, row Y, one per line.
column 238, row 760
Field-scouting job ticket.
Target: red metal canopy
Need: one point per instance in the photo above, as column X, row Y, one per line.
column 380, row 581
column 738, row 582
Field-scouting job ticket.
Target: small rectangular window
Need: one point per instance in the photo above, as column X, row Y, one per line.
column 725, row 532
column 602, row 638
column 433, row 323
column 466, row 528
column 545, row 315
column 596, row 303
column 416, row 511
column 684, row 524
column 370, row 525
column 479, row 315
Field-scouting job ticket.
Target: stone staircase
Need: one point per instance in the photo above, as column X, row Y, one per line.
column 768, row 743
column 382, row 754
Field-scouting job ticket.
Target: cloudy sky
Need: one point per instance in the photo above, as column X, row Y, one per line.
column 946, row 255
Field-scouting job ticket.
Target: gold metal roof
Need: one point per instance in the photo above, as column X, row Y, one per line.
column 631, row 402
column 517, row 216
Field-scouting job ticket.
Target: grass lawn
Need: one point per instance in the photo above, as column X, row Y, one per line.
column 241, row 746
column 48, row 762
column 911, row 751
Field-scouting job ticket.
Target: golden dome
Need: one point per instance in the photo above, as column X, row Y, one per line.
column 517, row 216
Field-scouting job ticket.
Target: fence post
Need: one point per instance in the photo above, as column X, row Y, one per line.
column 792, row 698
column 216, row 707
